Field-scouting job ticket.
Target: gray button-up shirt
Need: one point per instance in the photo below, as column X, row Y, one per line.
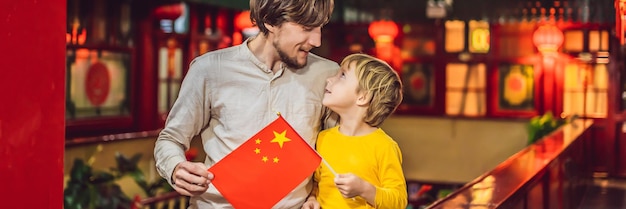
column 229, row 95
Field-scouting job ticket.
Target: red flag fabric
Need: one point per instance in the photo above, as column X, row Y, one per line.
column 265, row 168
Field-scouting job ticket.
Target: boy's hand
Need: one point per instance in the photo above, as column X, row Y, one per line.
column 311, row 203
column 350, row 185
column 191, row 178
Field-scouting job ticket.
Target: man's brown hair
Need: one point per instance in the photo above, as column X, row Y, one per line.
column 309, row 13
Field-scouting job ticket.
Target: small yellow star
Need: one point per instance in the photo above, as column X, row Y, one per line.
column 275, row 160
column 264, row 159
column 257, row 141
column 257, row 150
column 280, row 138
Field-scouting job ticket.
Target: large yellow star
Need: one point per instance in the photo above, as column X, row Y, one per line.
column 280, row 138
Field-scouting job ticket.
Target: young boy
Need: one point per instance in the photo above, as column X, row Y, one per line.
column 364, row 93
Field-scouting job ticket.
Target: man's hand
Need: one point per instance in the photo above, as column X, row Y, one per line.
column 191, row 178
column 311, row 203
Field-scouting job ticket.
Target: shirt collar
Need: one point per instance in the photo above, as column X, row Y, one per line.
column 248, row 53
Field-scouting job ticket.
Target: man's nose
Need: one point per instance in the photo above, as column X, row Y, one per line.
column 315, row 39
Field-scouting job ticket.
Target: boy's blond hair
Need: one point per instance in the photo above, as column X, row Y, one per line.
column 309, row 13
column 380, row 83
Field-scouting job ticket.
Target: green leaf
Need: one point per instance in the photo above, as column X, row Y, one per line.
column 76, row 197
column 101, row 177
column 125, row 165
column 540, row 126
column 80, row 171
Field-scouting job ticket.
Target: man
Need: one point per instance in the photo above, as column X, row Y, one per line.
column 230, row 94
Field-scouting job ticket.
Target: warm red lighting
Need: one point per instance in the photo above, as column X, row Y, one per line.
column 548, row 38
column 170, row 12
column 383, row 30
column 76, row 36
column 620, row 21
column 82, row 37
column 242, row 21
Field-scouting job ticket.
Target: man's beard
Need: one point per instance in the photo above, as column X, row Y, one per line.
column 291, row 62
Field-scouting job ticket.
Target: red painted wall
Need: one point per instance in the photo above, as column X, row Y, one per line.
column 32, row 95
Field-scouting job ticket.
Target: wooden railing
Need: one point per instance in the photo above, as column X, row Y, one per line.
column 549, row 174
column 170, row 200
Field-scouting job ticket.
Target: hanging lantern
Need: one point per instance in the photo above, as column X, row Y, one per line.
column 383, row 30
column 548, row 38
column 169, row 12
column 242, row 20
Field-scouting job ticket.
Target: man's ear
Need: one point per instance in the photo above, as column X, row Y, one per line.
column 269, row 27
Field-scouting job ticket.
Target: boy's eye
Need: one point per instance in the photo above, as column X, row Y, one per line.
column 343, row 75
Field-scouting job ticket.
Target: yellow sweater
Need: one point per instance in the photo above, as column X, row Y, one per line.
column 375, row 158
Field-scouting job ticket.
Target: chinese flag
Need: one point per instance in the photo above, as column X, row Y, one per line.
column 265, row 168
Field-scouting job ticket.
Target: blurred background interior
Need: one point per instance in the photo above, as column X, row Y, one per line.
column 508, row 103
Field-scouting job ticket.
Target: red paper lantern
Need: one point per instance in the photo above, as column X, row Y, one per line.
column 548, row 38
column 169, row 12
column 383, row 30
column 242, row 20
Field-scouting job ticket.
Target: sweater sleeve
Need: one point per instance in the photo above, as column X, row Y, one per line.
column 185, row 120
column 392, row 194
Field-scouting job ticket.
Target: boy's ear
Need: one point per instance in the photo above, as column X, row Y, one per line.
column 363, row 98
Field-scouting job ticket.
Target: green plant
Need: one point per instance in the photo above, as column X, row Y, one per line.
column 89, row 189
column 128, row 167
column 542, row 125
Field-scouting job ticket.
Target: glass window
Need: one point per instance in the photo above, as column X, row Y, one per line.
column 585, row 90
column 455, row 36
column 98, row 59
column 573, row 41
column 170, row 74
column 97, row 83
column 465, row 89
column 479, row 36
column 598, row 41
